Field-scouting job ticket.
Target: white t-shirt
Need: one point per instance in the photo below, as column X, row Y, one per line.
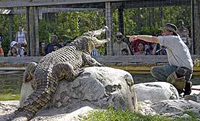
column 177, row 52
column 21, row 37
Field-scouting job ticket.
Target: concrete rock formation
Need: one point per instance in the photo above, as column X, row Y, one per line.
column 155, row 91
column 96, row 87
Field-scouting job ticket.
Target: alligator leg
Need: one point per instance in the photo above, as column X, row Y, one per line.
column 28, row 74
column 66, row 70
column 27, row 86
column 90, row 61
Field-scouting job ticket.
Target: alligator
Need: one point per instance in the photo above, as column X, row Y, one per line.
column 65, row 63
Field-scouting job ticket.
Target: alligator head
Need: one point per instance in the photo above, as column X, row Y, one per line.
column 88, row 41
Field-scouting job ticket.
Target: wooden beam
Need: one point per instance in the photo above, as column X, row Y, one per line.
column 196, row 26
column 17, row 3
column 54, row 10
column 115, row 60
column 129, row 3
column 11, row 21
column 28, row 30
column 133, row 64
column 132, row 59
column 32, row 31
column 154, row 3
column 108, row 16
column 36, row 14
column 121, row 19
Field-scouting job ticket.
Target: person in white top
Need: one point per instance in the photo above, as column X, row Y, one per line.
column 180, row 68
column 21, row 40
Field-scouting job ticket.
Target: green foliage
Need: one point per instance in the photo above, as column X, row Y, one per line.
column 121, row 115
column 147, row 20
column 9, row 96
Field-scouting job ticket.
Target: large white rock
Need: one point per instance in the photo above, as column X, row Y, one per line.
column 173, row 108
column 155, row 91
column 96, row 87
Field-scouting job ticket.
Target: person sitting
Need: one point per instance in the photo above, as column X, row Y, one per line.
column 119, row 45
column 53, row 45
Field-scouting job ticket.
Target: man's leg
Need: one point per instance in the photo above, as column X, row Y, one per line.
column 161, row 73
column 188, row 88
column 188, row 83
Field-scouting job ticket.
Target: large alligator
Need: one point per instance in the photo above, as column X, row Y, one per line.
column 63, row 63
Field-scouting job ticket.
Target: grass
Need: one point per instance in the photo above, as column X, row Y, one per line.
column 112, row 115
column 119, row 115
column 9, row 96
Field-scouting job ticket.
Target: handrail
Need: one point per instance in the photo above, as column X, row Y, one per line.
column 125, row 60
column 133, row 64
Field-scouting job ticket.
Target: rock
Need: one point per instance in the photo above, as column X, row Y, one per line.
column 75, row 115
column 6, row 108
column 191, row 97
column 176, row 107
column 155, row 91
column 186, row 116
column 96, row 87
column 144, row 108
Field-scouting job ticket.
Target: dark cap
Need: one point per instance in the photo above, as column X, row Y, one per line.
column 171, row 27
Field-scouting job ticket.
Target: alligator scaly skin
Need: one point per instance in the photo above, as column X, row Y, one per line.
column 63, row 63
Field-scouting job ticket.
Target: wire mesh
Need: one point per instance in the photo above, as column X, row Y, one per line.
column 139, row 17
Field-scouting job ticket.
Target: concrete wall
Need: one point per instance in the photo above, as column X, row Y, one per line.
column 12, row 81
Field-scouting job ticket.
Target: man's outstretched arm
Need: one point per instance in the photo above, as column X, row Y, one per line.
column 147, row 38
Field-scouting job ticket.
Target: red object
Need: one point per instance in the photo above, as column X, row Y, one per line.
column 1, row 52
column 134, row 44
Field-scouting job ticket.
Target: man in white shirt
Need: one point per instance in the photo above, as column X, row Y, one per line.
column 180, row 68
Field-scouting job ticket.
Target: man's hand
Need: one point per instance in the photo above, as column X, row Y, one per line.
column 132, row 38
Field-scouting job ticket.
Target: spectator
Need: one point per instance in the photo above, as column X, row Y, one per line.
column 21, row 40
column 134, row 45
column 95, row 53
column 42, row 48
column 13, row 49
column 119, row 45
column 156, row 49
column 53, row 45
column 66, row 39
column 1, row 50
column 184, row 33
column 124, row 51
column 61, row 43
column 141, row 49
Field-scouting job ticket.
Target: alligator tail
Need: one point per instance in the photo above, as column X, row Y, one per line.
column 38, row 99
